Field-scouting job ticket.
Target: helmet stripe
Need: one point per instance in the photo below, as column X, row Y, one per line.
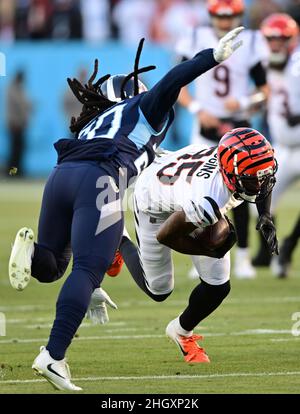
column 258, row 163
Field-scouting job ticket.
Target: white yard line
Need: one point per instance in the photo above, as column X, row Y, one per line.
column 126, row 304
column 293, row 338
column 165, row 377
column 250, row 332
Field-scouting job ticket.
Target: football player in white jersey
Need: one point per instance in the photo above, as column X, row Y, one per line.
column 187, row 190
column 223, row 98
column 281, row 33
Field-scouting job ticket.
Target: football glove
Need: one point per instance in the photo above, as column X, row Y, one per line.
column 267, row 228
column 97, row 310
column 226, row 47
column 229, row 242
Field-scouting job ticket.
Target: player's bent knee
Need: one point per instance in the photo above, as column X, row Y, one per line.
column 163, row 285
column 93, row 266
column 160, row 298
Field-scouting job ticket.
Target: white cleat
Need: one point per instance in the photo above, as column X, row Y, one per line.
column 19, row 268
column 243, row 268
column 56, row 372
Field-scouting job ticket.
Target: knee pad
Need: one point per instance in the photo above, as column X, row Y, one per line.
column 160, row 285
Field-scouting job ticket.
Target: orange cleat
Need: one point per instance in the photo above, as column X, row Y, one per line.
column 116, row 266
column 191, row 351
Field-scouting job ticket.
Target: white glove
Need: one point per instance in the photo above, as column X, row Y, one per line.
column 97, row 311
column 226, row 47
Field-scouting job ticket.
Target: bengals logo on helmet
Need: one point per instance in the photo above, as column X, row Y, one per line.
column 247, row 163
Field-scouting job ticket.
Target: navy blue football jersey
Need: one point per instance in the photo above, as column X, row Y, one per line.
column 121, row 135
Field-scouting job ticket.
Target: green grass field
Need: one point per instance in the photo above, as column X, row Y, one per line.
column 248, row 338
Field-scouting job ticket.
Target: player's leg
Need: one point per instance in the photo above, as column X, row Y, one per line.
column 281, row 263
column 204, row 299
column 97, row 228
column 95, row 234
column 150, row 264
column 47, row 259
column 287, row 248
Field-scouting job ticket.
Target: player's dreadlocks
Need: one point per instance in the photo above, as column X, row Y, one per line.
column 90, row 95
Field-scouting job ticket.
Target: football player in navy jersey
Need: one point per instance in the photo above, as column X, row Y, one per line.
column 117, row 132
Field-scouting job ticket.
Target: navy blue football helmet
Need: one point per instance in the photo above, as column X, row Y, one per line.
column 115, row 90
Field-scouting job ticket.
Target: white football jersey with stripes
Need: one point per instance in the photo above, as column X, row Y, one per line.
column 230, row 78
column 188, row 180
column 285, row 96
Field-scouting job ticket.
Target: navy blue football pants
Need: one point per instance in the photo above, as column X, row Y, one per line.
column 80, row 214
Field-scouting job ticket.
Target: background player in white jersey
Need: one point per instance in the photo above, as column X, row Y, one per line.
column 189, row 190
column 281, row 33
column 223, row 97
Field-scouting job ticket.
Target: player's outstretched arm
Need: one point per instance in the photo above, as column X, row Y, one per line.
column 227, row 45
column 266, row 225
column 157, row 102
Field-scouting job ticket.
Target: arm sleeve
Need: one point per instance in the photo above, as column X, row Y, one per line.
column 258, row 75
column 264, row 207
column 157, row 103
column 202, row 214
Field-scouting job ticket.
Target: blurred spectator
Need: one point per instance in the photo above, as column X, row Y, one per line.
column 7, row 11
column 95, row 16
column 18, row 109
column 39, row 19
column 133, row 19
column 66, row 20
column 72, row 107
column 21, row 19
column 260, row 9
column 173, row 16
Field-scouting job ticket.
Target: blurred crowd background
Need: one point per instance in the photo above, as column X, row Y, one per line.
column 160, row 21
column 42, row 42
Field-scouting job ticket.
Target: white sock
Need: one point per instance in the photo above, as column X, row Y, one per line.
column 242, row 252
column 180, row 330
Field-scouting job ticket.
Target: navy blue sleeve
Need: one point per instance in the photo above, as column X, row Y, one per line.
column 158, row 101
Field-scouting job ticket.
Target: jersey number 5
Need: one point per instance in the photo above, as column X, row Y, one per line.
column 192, row 166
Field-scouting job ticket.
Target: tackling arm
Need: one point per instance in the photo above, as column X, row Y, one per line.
column 157, row 103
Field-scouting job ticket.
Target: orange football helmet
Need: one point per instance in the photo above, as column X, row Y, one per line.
column 225, row 7
column 281, row 32
column 279, row 25
column 247, row 164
